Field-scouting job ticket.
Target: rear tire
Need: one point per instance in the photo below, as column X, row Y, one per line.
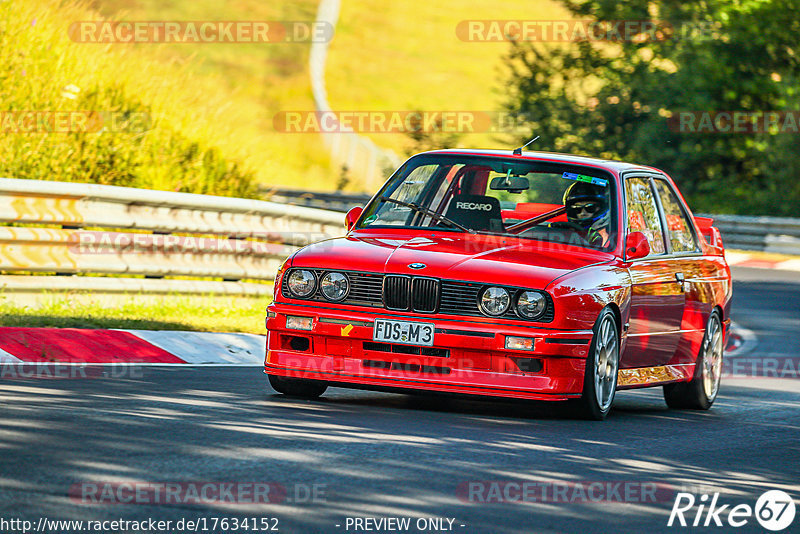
column 297, row 387
column 602, row 368
column 700, row 393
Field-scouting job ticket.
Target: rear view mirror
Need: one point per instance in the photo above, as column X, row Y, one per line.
column 509, row 183
column 636, row 246
column 352, row 216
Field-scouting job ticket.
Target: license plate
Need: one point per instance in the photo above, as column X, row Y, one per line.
column 403, row 332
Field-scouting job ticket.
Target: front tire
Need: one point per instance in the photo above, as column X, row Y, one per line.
column 602, row 367
column 700, row 393
column 297, row 387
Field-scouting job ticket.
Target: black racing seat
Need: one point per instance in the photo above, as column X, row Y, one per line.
column 477, row 212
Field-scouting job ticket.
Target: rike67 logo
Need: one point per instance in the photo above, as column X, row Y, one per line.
column 774, row 510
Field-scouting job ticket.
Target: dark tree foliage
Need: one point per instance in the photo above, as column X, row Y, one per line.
column 623, row 99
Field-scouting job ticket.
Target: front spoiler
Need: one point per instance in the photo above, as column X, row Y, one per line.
column 477, row 363
column 467, row 382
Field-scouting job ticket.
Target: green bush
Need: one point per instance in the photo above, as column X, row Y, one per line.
column 150, row 136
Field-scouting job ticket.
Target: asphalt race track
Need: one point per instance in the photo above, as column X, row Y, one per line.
column 377, row 455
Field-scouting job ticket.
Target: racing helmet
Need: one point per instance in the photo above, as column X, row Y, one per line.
column 587, row 205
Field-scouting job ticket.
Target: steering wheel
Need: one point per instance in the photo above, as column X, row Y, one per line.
column 579, row 230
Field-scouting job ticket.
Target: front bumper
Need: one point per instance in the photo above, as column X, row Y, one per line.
column 468, row 356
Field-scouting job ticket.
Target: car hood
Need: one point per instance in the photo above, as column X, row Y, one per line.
column 473, row 258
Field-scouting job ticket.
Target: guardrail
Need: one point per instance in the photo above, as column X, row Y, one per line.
column 336, row 201
column 767, row 234
column 149, row 241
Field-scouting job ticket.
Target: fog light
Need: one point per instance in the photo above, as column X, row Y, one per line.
column 519, row 343
column 299, row 323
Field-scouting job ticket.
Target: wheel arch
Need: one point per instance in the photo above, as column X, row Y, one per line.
column 614, row 307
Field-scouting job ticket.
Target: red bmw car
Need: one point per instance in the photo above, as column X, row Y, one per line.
column 509, row 274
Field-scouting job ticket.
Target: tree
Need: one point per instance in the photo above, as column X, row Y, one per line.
column 625, row 99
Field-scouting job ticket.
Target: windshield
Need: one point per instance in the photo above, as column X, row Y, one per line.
column 529, row 199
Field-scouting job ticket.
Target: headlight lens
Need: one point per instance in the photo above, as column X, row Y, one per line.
column 334, row 286
column 302, row 283
column 495, row 301
column 531, row 304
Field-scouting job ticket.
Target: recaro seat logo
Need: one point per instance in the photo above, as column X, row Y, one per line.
column 473, row 206
column 774, row 510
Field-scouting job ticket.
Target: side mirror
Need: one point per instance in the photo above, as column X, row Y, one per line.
column 352, row 216
column 636, row 246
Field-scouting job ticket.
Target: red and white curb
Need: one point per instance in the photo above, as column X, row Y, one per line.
column 167, row 347
column 740, row 341
column 208, row 347
column 8, row 358
column 143, row 347
column 743, row 259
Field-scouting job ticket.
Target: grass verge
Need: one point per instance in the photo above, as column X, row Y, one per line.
column 140, row 312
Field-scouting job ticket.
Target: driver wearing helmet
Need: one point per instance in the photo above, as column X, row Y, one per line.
column 587, row 207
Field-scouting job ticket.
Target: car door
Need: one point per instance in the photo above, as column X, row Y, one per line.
column 687, row 260
column 657, row 291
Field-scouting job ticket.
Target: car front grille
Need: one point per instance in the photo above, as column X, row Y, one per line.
column 418, row 294
column 396, row 292
column 460, row 298
column 404, row 293
column 424, row 294
column 365, row 289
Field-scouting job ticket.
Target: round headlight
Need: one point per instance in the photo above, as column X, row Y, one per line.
column 334, row 286
column 531, row 304
column 302, row 283
column 495, row 301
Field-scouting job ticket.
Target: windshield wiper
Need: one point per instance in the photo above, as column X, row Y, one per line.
column 430, row 213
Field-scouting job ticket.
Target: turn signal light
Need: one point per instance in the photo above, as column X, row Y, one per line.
column 519, row 343
column 299, row 323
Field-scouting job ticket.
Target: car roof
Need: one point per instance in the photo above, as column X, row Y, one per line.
column 612, row 165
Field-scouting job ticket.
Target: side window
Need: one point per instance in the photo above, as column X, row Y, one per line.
column 679, row 228
column 643, row 213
